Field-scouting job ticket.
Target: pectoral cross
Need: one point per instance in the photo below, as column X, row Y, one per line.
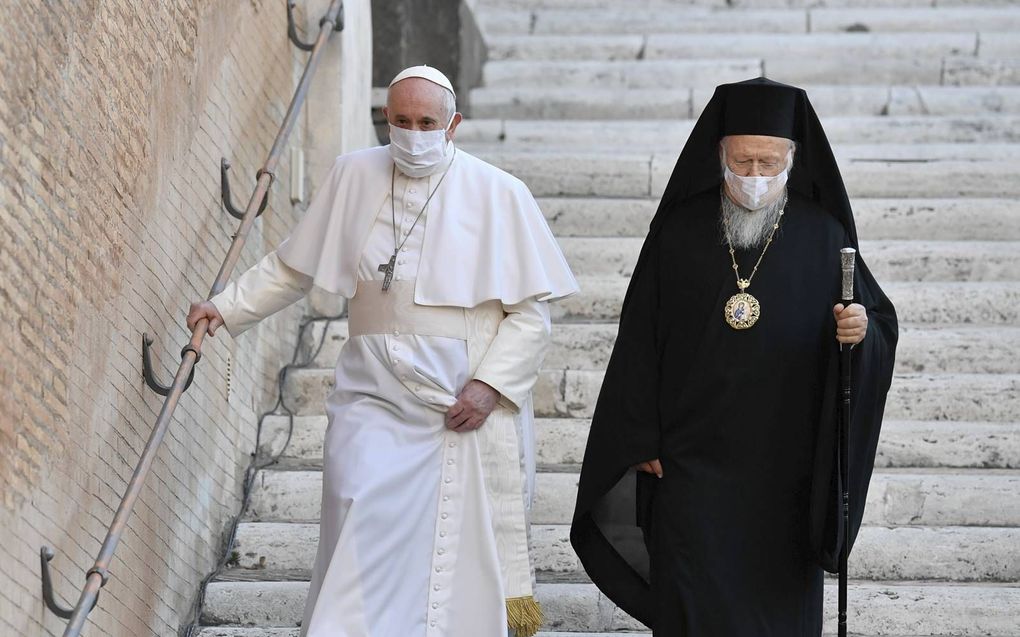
column 388, row 268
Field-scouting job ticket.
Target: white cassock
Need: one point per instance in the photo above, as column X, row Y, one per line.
column 423, row 530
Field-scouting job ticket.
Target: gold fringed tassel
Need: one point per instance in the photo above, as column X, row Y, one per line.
column 524, row 615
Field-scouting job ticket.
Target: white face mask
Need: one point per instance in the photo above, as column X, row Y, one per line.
column 418, row 153
column 754, row 193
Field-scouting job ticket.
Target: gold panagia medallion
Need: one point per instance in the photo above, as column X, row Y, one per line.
column 742, row 311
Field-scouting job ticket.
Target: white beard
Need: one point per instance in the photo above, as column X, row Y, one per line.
column 746, row 229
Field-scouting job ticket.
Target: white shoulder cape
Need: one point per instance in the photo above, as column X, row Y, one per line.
column 485, row 237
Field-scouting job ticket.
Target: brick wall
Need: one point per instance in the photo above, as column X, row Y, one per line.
column 113, row 119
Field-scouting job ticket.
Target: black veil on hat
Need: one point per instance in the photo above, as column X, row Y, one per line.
column 760, row 107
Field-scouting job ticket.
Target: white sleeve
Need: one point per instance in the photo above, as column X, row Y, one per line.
column 264, row 289
column 513, row 359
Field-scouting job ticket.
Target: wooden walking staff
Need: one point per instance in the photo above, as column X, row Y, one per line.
column 847, row 257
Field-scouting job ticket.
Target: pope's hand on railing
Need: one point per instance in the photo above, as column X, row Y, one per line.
column 204, row 310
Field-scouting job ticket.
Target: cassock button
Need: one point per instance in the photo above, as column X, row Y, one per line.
column 448, row 480
column 441, row 551
column 439, row 570
column 444, row 516
column 432, row 623
column 436, row 587
column 449, row 462
column 412, row 191
column 396, row 332
column 446, row 498
column 410, row 204
column 442, row 534
column 453, row 444
column 435, row 605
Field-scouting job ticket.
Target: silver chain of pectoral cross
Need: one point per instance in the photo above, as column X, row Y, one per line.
column 389, row 268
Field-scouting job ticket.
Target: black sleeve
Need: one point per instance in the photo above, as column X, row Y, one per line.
column 624, row 432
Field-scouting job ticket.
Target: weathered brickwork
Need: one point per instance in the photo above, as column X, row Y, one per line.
column 113, row 119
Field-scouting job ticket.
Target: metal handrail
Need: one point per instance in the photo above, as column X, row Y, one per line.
column 99, row 574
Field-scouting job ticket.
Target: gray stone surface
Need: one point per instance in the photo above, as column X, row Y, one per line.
column 913, row 50
column 685, row 102
column 965, row 349
column 968, row 397
column 660, row 74
column 948, row 497
column 921, row 349
column 966, row 219
column 888, row 260
column 939, row 498
column 942, row 303
column 287, row 550
column 572, row 394
column 560, row 103
column 665, row 135
column 590, row 103
column 904, row 443
column 880, row 609
column 630, row 174
column 929, row 19
column 617, row 20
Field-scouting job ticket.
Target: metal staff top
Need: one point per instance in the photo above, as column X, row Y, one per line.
column 848, row 257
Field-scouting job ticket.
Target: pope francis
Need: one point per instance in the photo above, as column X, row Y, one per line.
column 448, row 265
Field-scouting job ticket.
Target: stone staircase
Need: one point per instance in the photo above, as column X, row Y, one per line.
column 590, row 102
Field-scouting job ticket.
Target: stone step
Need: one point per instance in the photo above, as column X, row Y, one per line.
column 906, row 153
column 943, row 303
column 249, row 631
column 908, row 219
column 921, row 261
column 659, row 5
column 891, row 57
column 931, row 349
column 941, row 497
column 671, row 135
column 619, row 75
column 898, row 609
column 285, row 551
column 485, row 5
column 560, row 443
column 686, row 102
column 952, row 59
column 653, row 74
column 245, row 631
column 572, row 394
column 616, row 20
column 964, row 397
column 881, row 609
column 791, row 68
column 609, row 174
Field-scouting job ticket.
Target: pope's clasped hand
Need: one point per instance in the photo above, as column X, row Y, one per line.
column 473, row 406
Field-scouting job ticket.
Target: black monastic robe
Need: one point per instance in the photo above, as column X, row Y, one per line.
column 731, row 541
